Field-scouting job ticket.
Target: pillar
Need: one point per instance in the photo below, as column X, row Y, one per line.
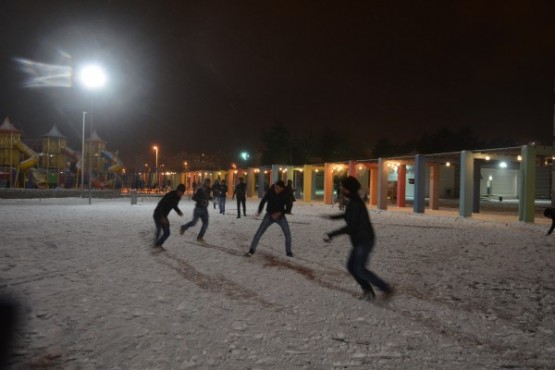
column 465, row 201
column 527, row 184
column 434, row 186
column 307, row 184
column 401, row 185
column 419, row 184
column 328, row 183
column 382, row 184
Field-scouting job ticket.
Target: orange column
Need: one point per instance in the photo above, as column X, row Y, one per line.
column 401, row 185
column 434, row 186
column 352, row 169
column 328, row 183
column 373, row 185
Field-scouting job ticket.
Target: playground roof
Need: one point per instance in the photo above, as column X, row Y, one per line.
column 8, row 126
column 54, row 132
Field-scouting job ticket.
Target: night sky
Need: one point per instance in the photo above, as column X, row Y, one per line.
column 209, row 76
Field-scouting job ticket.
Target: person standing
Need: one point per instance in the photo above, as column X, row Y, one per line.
column 240, row 192
column 202, row 199
column 216, row 193
column 275, row 213
column 223, row 195
column 362, row 237
column 290, row 196
column 168, row 202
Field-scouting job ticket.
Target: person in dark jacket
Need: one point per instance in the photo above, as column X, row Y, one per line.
column 362, row 238
column 550, row 213
column 165, row 205
column 276, row 200
column 240, row 192
column 290, row 193
column 202, row 198
column 222, row 198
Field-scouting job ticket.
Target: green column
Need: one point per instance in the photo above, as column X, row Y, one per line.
column 527, row 184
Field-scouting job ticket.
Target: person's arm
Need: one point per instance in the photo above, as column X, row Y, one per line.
column 262, row 202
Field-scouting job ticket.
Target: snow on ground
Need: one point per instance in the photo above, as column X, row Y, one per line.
column 473, row 293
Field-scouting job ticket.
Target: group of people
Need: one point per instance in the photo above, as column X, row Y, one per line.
column 278, row 200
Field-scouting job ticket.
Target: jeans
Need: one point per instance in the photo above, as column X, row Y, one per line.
column 202, row 213
column 357, row 267
column 159, row 228
column 266, row 222
column 221, row 201
column 241, row 200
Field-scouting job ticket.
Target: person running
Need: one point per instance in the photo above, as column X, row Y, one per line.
column 165, row 205
column 240, row 192
column 223, row 195
column 202, row 199
column 275, row 213
column 362, row 237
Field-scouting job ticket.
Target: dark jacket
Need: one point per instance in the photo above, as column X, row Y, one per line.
column 202, row 196
column 223, row 190
column 276, row 202
column 358, row 225
column 167, row 203
column 240, row 190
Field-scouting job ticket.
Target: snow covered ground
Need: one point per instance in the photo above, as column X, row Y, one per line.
column 476, row 293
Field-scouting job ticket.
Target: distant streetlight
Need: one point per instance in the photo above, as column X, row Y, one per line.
column 157, row 179
column 92, row 77
column 245, row 156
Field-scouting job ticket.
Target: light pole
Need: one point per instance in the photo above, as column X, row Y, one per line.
column 157, row 179
column 83, row 158
column 92, row 78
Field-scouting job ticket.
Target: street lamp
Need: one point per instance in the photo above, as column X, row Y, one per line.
column 92, row 78
column 157, row 179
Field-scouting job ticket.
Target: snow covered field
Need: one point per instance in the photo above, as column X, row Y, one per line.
column 475, row 293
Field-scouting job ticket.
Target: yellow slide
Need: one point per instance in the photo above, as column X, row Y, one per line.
column 33, row 156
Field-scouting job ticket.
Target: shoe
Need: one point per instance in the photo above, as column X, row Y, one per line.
column 182, row 230
column 388, row 293
column 238, row 216
column 249, row 253
column 289, row 254
column 200, row 240
column 368, row 295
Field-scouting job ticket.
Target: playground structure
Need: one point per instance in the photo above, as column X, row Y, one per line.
column 51, row 163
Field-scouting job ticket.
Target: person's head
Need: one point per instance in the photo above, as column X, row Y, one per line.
column 180, row 189
column 289, row 182
column 240, row 179
column 350, row 186
column 279, row 186
column 206, row 183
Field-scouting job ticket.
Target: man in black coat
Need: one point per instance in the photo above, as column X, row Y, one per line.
column 276, row 200
column 165, row 205
column 362, row 238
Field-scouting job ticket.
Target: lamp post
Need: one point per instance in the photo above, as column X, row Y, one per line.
column 83, row 158
column 92, row 78
column 156, row 169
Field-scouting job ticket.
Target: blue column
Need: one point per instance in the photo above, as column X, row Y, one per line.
column 419, row 184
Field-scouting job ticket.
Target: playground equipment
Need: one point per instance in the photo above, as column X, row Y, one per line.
column 116, row 166
column 38, row 178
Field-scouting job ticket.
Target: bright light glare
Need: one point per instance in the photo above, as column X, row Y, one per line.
column 503, row 165
column 93, row 76
column 44, row 75
column 245, row 155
